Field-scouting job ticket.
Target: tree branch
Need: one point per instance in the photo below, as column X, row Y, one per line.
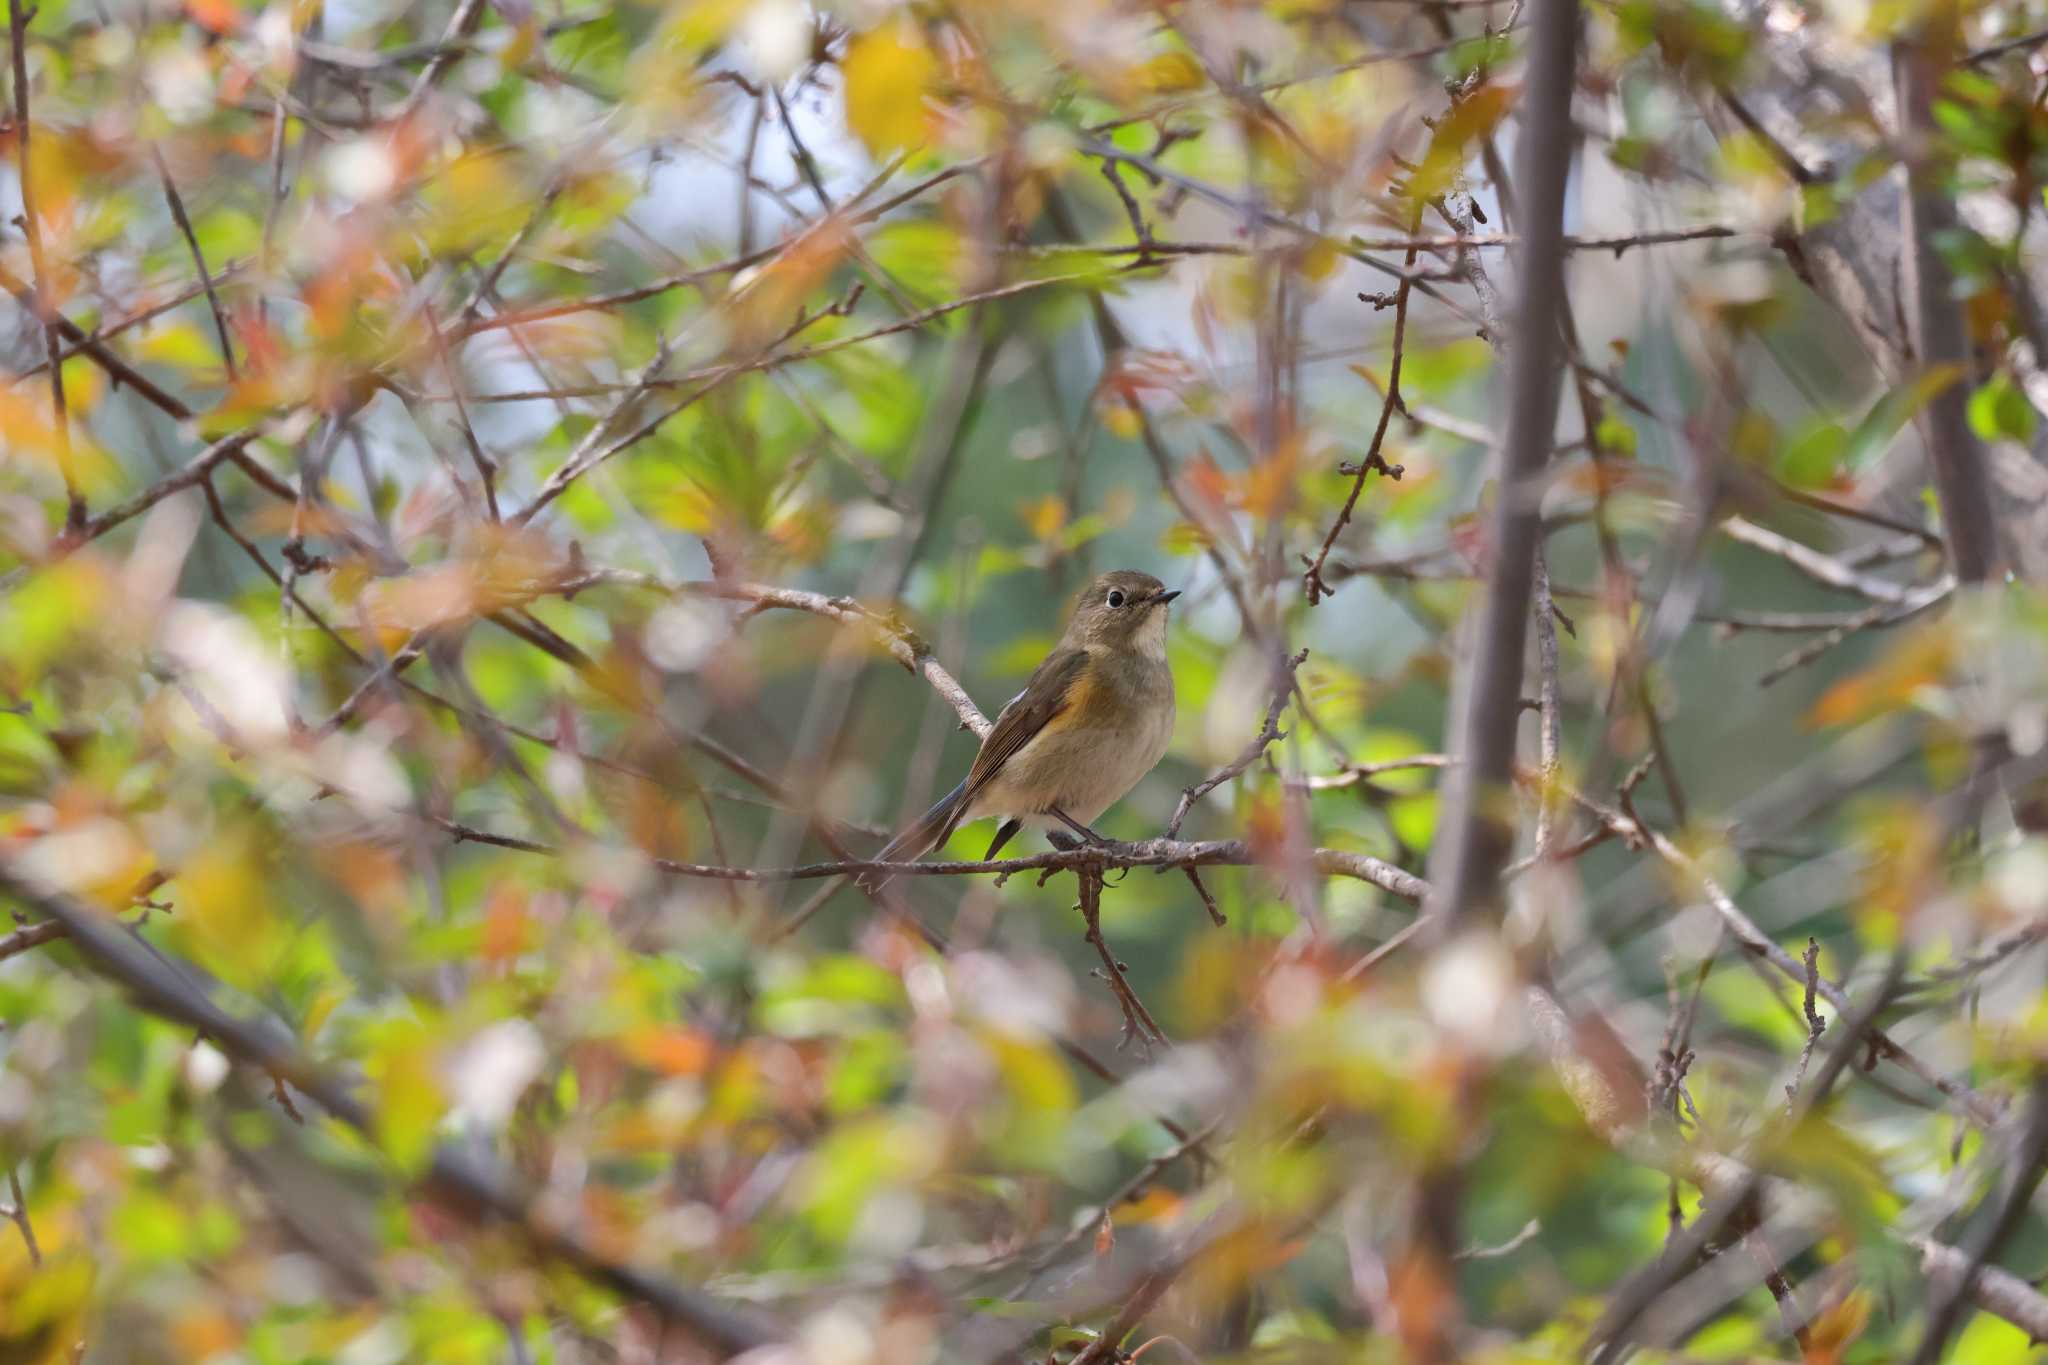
column 1473, row 842
column 170, row 989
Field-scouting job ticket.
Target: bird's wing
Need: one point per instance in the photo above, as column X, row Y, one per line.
column 1051, row 690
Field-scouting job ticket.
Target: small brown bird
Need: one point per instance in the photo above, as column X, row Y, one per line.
column 1093, row 719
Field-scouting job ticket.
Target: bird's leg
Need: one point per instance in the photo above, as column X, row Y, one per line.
column 1004, row 833
column 1088, row 836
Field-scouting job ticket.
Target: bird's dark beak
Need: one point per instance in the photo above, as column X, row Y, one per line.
column 1166, row 597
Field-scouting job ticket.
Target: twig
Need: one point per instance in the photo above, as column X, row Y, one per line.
column 105, row 332
column 2022, row 1172
column 1436, row 244
column 468, row 14
column 1997, row 50
column 1821, row 568
column 44, row 304
column 178, row 216
column 1793, row 167
column 1980, row 1110
column 28, row 937
column 17, row 1213
column 1815, row 1025
column 1139, row 1025
column 1731, row 1209
column 1869, row 618
column 1269, row 733
column 1374, row 461
column 1365, row 772
column 1216, row 916
column 770, row 358
column 526, row 316
column 1480, row 1252
column 166, row 987
column 117, row 369
column 1549, row 723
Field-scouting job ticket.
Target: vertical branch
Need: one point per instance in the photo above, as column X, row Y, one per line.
column 1927, row 212
column 1549, row 696
column 18, row 20
column 17, row 1212
column 1312, row 580
column 1473, row 841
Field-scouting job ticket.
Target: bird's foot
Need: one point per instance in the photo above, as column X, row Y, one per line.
column 1086, row 835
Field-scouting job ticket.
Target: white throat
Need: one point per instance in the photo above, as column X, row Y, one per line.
column 1152, row 635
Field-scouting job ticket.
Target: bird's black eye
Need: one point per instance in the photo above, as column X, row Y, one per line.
column 1116, row 597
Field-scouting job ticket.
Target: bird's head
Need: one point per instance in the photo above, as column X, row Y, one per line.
column 1122, row 609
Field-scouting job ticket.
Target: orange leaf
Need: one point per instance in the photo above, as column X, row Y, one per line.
column 1829, row 1336
column 1921, row 660
column 216, row 16
column 672, row 1051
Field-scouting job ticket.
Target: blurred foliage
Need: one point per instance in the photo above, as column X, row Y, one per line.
column 383, row 633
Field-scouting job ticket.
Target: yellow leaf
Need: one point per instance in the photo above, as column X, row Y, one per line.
column 888, row 73
column 1122, row 420
column 28, row 432
column 525, row 39
column 1469, row 119
column 1320, row 260
column 226, row 908
column 1169, row 73
column 402, row 1067
column 1045, row 516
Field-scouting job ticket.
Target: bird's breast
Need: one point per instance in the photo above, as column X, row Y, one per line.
column 1117, row 725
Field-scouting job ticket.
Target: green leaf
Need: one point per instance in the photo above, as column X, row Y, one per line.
column 1814, row 458
column 1999, row 411
column 1891, row 413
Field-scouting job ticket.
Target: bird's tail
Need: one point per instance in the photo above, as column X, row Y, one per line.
column 923, row 834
